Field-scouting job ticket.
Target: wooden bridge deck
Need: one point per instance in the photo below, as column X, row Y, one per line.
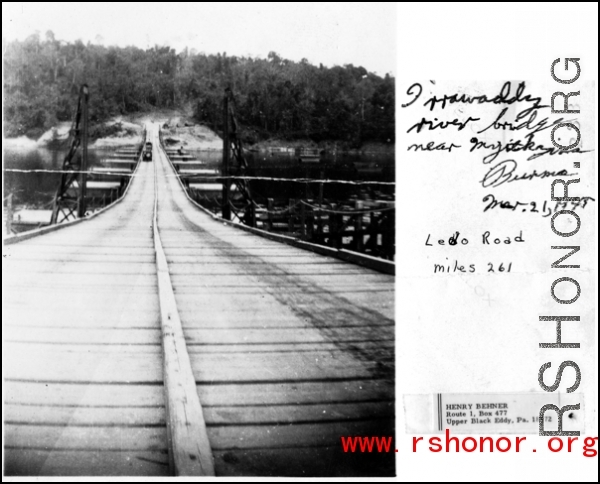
column 82, row 360
column 290, row 350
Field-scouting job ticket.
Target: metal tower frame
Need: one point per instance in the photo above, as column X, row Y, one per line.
column 69, row 201
column 233, row 151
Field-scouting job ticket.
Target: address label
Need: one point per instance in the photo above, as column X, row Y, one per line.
column 492, row 412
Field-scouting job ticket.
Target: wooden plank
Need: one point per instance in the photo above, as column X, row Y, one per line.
column 142, row 298
column 216, row 318
column 85, row 268
column 108, row 256
column 67, row 318
column 321, row 461
column 81, row 366
column 22, row 462
column 284, row 335
column 40, row 247
column 83, row 395
column 239, row 266
column 189, row 446
column 207, row 256
column 274, row 280
column 212, row 318
column 107, row 243
column 72, row 336
column 294, row 414
column 317, row 308
column 85, row 438
column 242, row 250
column 42, row 414
column 254, row 303
column 370, row 346
column 150, row 350
column 296, row 435
column 295, row 393
column 254, row 268
column 66, row 281
column 83, row 335
column 277, row 367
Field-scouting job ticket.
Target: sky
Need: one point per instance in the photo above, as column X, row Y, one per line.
column 359, row 33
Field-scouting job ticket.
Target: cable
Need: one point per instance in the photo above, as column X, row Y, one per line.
column 219, row 178
column 306, row 180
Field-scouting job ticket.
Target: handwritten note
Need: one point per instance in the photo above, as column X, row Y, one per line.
column 476, row 263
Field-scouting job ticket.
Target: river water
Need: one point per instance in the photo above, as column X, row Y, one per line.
column 36, row 190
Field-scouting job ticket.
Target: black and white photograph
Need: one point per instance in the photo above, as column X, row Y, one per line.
column 204, row 274
column 199, row 239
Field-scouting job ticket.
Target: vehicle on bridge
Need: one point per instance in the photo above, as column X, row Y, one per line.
column 147, row 156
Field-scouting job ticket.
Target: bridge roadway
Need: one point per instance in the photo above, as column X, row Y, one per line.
column 289, row 350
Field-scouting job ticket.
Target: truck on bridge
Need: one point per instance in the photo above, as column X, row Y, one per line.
column 147, row 156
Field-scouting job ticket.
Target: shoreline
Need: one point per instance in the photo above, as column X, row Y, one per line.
column 180, row 129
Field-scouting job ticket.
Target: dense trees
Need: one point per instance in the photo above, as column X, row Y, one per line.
column 274, row 96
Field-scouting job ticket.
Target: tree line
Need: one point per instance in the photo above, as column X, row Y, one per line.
column 275, row 97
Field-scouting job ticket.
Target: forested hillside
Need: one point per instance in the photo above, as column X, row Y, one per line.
column 275, row 97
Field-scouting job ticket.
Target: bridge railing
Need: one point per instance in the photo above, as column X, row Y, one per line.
column 365, row 226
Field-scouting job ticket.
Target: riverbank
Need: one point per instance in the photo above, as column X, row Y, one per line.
column 127, row 130
column 184, row 131
column 180, row 129
column 113, row 133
